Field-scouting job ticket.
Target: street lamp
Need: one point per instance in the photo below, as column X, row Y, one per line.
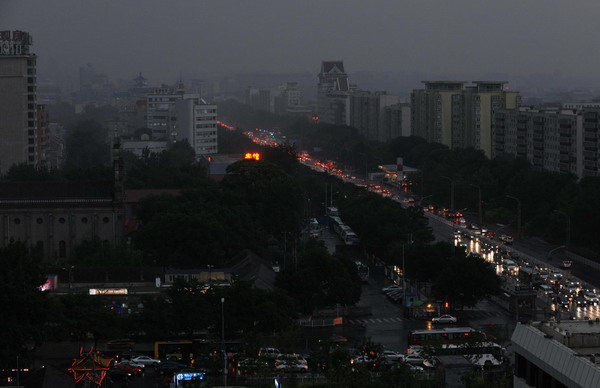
column 71, row 279
column 210, row 267
column 223, row 342
column 479, row 203
column 518, row 214
column 549, row 257
column 568, row 233
column 451, row 191
column 381, row 165
column 421, row 201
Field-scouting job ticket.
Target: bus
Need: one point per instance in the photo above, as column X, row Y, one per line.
column 445, row 336
column 363, row 271
column 349, row 237
column 468, row 349
column 337, row 225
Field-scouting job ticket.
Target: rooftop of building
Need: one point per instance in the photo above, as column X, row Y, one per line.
column 55, row 190
column 539, row 343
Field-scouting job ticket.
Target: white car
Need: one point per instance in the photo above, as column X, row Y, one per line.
column 393, row 287
column 145, row 360
column 483, row 360
column 414, row 359
column 390, row 355
column 446, row 318
column 130, row 363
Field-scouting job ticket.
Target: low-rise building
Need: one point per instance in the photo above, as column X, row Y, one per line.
column 557, row 354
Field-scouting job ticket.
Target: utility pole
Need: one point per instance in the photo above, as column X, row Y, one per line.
column 223, row 342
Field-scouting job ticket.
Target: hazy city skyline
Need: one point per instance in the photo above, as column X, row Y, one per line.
column 162, row 39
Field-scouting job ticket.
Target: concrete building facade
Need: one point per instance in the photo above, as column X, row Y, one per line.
column 17, row 100
column 376, row 115
column 556, row 354
column 554, row 139
column 459, row 116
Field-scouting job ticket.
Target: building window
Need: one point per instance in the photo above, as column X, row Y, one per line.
column 62, row 249
column 105, row 220
column 62, row 220
column 17, row 221
column 40, row 220
column 84, row 220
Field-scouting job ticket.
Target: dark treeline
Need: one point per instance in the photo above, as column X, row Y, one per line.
column 547, row 199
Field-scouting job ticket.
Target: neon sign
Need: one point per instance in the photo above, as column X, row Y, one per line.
column 252, row 156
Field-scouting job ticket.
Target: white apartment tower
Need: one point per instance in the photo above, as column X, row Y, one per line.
column 17, row 100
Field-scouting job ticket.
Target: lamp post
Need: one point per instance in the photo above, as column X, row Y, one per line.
column 479, row 203
column 421, row 201
column 71, row 276
column 568, row 232
column 210, row 267
column 451, row 191
column 518, row 214
column 381, row 165
column 549, row 257
column 223, row 342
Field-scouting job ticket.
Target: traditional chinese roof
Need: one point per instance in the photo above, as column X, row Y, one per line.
column 90, row 366
column 336, row 67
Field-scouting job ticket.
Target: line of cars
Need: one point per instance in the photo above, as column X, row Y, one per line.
column 269, row 360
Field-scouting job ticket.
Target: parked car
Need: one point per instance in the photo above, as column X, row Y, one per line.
column 446, row 318
column 483, row 360
column 290, row 366
column 268, row 353
column 131, row 363
column 393, row 287
column 296, row 358
column 132, row 370
column 252, row 366
column 146, row 360
column 414, row 359
column 392, row 356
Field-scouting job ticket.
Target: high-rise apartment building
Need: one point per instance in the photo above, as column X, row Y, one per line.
column 459, row 116
column 17, row 100
column 371, row 114
column 554, row 139
column 196, row 122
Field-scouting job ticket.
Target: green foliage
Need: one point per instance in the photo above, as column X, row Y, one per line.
column 319, row 279
column 383, row 224
column 24, row 306
column 103, row 255
column 175, row 168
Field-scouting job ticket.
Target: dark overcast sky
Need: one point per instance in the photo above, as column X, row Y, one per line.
column 163, row 37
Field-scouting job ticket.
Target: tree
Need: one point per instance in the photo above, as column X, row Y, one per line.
column 320, row 279
column 24, row 306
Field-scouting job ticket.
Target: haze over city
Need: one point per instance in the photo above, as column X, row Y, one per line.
column 436, row 39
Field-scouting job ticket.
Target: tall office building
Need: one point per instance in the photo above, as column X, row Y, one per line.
column 196, row 122
column 332, row 94
column 459, row 116
column 17, row 100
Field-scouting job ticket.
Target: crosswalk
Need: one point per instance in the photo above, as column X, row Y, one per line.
column 471, row 315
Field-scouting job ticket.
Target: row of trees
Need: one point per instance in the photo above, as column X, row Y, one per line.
column 548, row 200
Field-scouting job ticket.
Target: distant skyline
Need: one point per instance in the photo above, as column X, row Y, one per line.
column 163, row 38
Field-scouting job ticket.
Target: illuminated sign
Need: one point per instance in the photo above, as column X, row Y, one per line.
column 252, row 156
column 14, row 43
column 108, row 291
column 188, row 376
